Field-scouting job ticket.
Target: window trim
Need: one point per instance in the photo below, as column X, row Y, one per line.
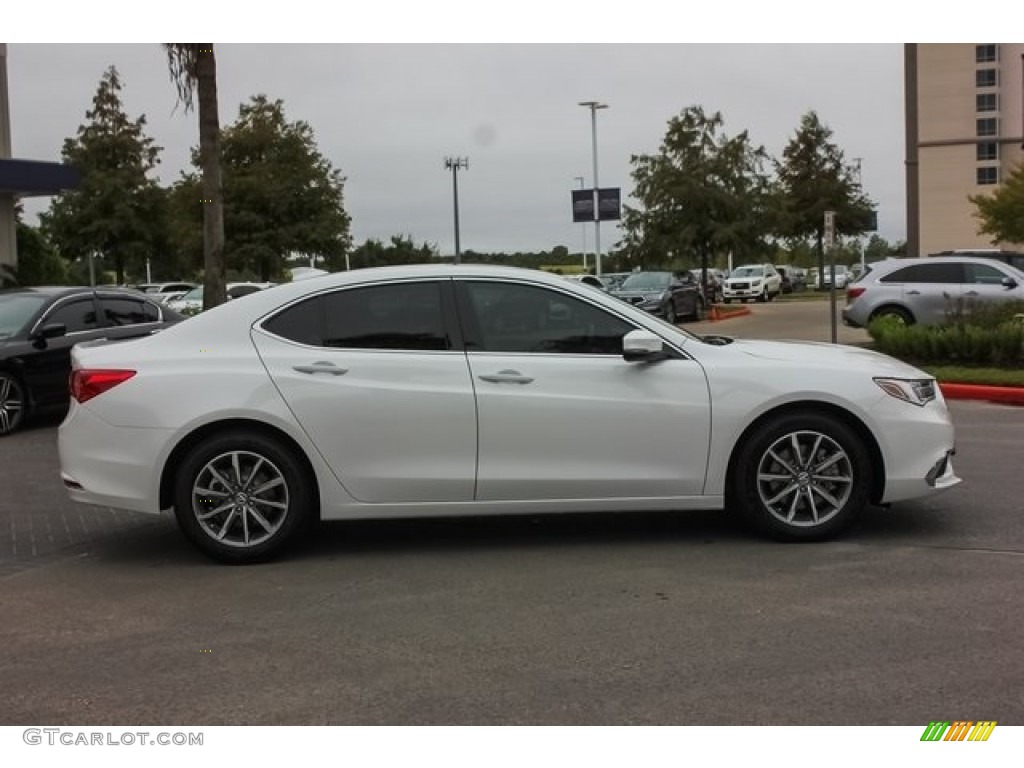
column 992, row 96
column 978, row 77
column 986, row 158
column 981, row 52
column 59, row 303
column 985, row 169
column 995, row 126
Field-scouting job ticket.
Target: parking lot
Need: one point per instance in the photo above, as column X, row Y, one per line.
column 111, row 617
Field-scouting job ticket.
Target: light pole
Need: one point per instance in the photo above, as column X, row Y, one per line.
column 454, row 163
column 594, row 106
column 584, row 228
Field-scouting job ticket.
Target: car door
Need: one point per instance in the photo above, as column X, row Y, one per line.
column 48, row 365
column 377, row 378
column 562, row 415
column 983, row 284
column 929, row 291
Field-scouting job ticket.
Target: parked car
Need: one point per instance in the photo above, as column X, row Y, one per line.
column 713, row 287
column 843, row 277
column 794, row 279
column 752, row 281
column 925, row 290
column 38, row 327
column 614, row 279
column 193, row 300
column 161, row 288
column 665, row 294
column 424, row 390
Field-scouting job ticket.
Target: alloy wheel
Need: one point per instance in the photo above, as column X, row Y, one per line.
column 804, row 479
column 240, row 499
column 12, row 404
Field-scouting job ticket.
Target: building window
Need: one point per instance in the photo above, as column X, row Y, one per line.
column 987, row 126
column 985, row 53
column 988, row 175
column 987, row 102
column 988, row 150
column 985, row 78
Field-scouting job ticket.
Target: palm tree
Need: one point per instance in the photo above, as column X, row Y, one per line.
column 194, row 73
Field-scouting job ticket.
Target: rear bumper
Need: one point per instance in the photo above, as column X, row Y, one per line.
column 110, row 466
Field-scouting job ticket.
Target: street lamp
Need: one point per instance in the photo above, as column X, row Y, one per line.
column 454, row 163
column 584, row 228
column 594, row 106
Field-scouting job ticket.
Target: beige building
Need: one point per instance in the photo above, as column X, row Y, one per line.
column 965, row 128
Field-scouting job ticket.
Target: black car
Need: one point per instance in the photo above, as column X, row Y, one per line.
column 38, row 327
column 665, row 294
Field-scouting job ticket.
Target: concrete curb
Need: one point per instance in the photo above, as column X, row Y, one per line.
column 1005, row 395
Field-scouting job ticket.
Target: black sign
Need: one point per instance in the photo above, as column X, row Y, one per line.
column 873, row 222
column 608, row 204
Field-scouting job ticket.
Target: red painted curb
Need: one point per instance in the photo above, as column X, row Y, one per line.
column 717, row 316
column 1007, row 395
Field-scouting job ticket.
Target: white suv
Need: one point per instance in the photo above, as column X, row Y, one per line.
column 752, row 281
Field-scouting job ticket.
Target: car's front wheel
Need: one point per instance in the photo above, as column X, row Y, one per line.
column 801, row 477
column 670, row 313
column 12, row 404
column 241, row 497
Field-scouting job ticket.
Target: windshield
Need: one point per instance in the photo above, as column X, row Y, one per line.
column 196, row 294
column 647, row 281
column 16, row 309
column 747, row 272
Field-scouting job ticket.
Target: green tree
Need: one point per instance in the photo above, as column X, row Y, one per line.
column 813, row 177
column 877, row 248
column 400, row 250
column 193, row 68
column 38, row 261
column 702, row 194
column 282, row 195
column 1001, row 214
column 115, row 210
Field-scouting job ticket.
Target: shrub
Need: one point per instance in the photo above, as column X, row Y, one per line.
column 997, row 343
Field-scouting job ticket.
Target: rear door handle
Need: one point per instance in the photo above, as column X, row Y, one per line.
column 971, row 293
column 321, row 366
column 913, row 293
column 506, row 377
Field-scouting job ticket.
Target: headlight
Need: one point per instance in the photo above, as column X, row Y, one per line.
column 916, row 391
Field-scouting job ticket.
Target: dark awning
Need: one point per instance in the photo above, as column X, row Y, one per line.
column 30, row 178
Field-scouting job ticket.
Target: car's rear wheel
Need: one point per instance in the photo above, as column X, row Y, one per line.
column 897, row 314
column 801, row 477
column 12, row 404
column 241, row 497
column 670, row 313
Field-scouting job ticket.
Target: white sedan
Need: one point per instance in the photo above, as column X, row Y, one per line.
column 468, row 390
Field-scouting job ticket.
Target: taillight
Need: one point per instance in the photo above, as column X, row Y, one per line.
column 854, row 291
column 86, row 383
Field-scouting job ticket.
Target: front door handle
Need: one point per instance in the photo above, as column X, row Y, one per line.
column 971, row 293
column 321, row 366
column 506, row 377
column 913, row 293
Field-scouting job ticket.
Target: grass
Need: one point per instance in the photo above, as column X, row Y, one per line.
column 956, row 374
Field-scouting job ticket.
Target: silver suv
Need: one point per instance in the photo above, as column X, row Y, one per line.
column 926, row 290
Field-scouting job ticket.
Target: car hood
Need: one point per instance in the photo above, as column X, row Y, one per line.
column 647, row 295
column 828, row 356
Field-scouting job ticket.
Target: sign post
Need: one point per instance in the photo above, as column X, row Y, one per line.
column 830, row 238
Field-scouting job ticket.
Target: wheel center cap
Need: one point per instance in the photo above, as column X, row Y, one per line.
column 241, row 498
column 803, row 479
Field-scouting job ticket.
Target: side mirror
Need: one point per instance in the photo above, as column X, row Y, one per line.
column 642, row 347
column 1009, row 282
column 50, row 331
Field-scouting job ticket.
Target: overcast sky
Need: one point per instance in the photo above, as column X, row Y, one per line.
column 387, row 115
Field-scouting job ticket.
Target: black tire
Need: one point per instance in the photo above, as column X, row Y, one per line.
column 897, row 313
column 782, row 495
column 763, row 298
column 670, row 313
column 270, row 519
column 13, row 404
column 726, row 301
